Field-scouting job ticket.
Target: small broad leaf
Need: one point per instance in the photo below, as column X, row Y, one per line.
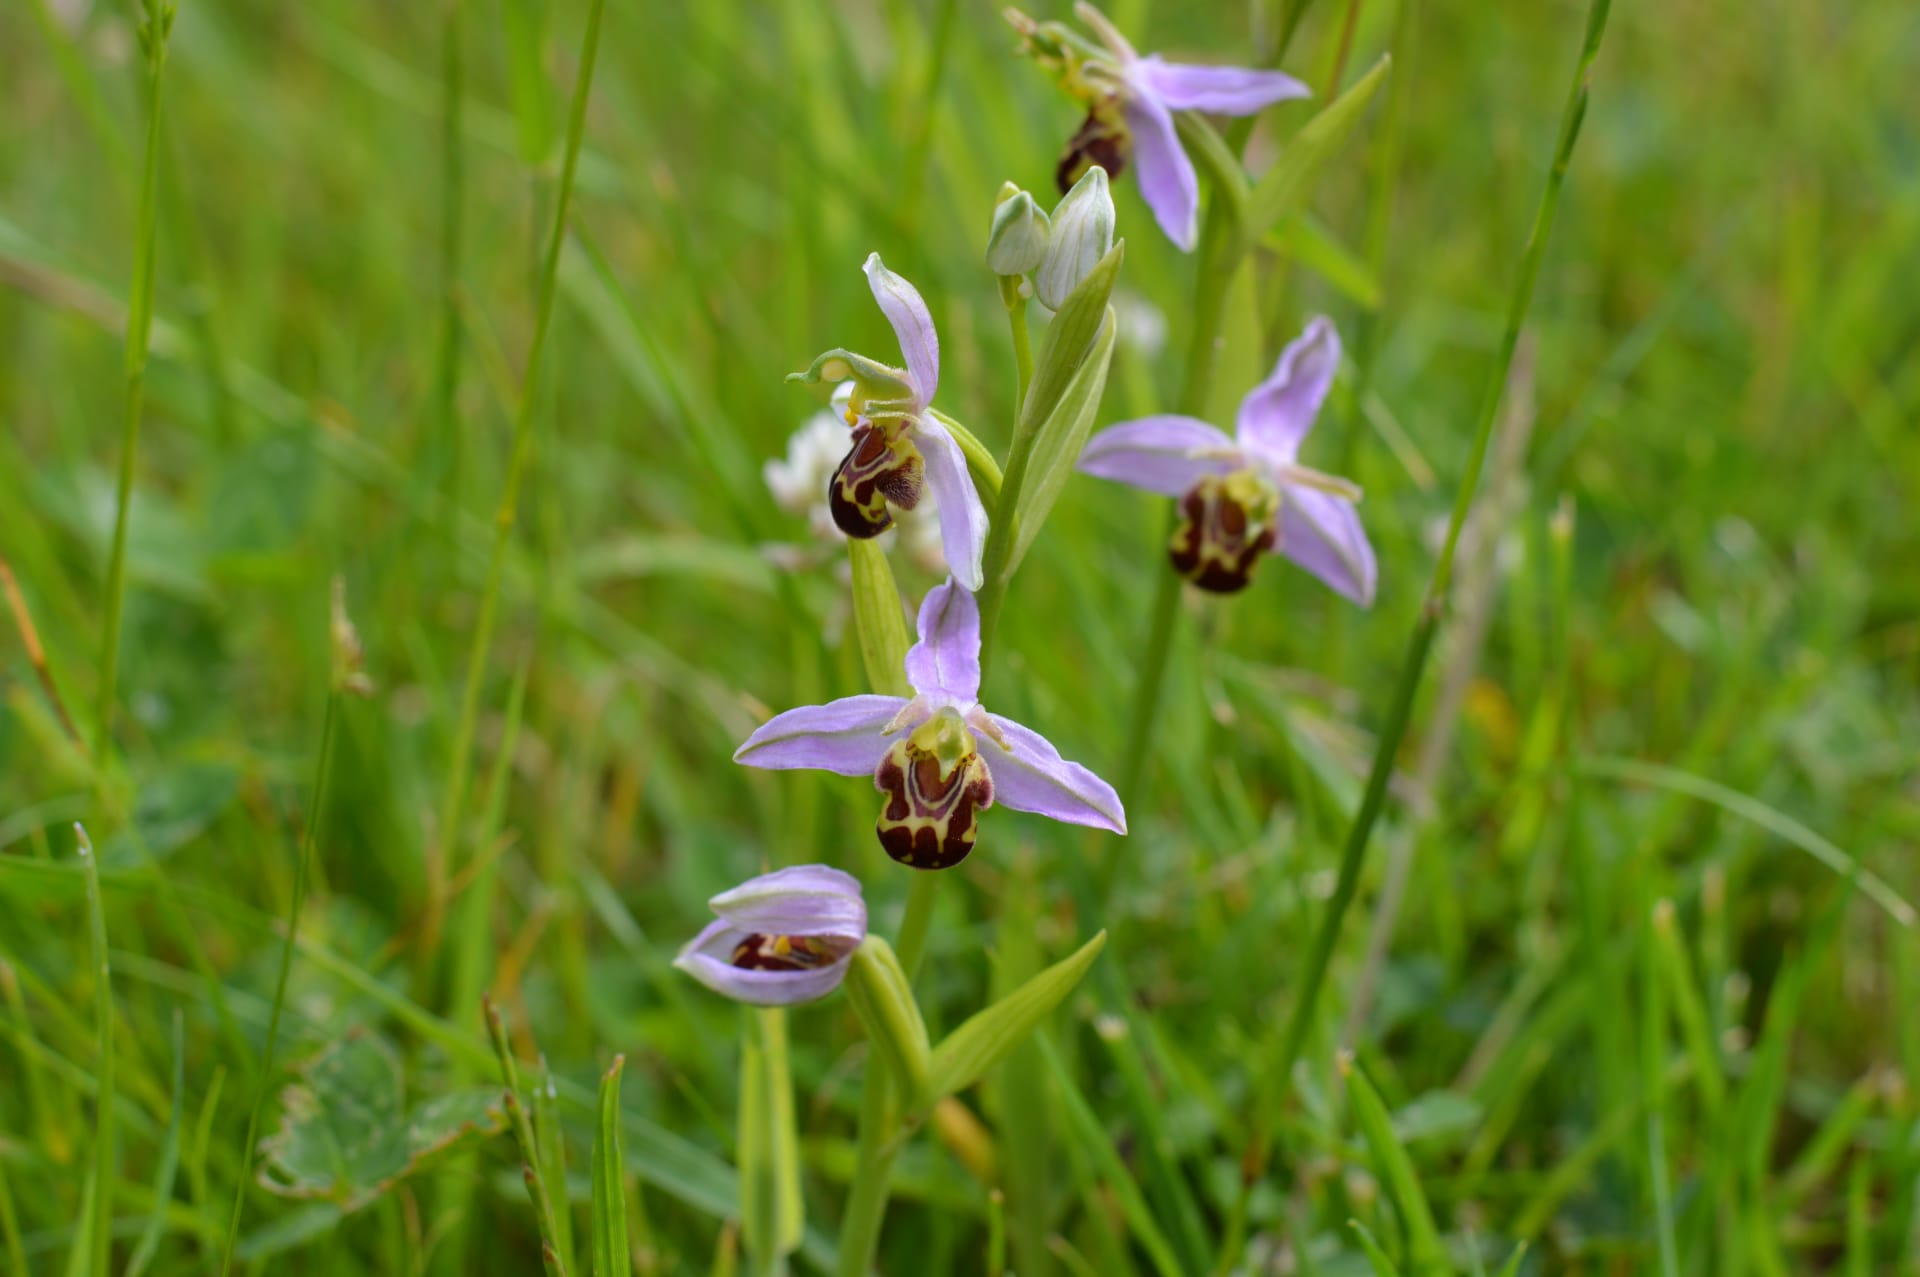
column 878, row 618
column 1284, row 188
column 1058, row 441
column 979, row 1044
column 1436, row 1114
column 1069, row 338
column 342, row 1135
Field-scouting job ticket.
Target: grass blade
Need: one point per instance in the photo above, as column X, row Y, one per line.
column 97, row 1220
column 1425, row 1253
column 610, row 1257
column 1095, row 1142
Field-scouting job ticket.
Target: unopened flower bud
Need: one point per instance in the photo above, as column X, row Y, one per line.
column 1082, row 235
column 1018, row 241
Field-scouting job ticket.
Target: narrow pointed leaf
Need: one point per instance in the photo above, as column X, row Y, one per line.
column 1425, row 1254
column 1069, row 341
column 1284, row 188
column 1376, row 1257
column 878, row 618
column 979, row 1044
column 1057, row 443
column 1097, row 1142
column 610, row 1257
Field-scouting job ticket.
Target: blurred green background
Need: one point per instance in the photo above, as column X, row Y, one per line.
column 1682, row 668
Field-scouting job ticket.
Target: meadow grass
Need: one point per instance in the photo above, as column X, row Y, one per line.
column 1627, row 970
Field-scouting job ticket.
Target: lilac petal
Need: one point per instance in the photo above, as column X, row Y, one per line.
column 708, row 959
column 1220, row 90
column 1158, row 453
column 1031, row 776
column 963, row 520
column 1167, row 180
column 842, row 736
column 800, row 900
column 1322, row 533
column 947, row 657
column 1277, row 414
column 912, row 324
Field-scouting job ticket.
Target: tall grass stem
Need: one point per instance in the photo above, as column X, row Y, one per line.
column 316, row 804
column 155, row 26
column 454, row 796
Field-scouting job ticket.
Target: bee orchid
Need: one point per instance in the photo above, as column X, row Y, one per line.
column 1244, row 495
column 899, row 447
column 939, row 756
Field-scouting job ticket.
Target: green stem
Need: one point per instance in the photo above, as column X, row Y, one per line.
column 1277, row 1073
column 1153, row 675
column 154, row 28
column 454, row 796
column 105, row 1169
column 911, row 945
column 1221, row 248
column 867, row 1203
column 315, row 805
column 447, row 440
column 1022, row 343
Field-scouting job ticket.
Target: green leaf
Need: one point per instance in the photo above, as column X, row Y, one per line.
column 1284, row 188
column 878, row 618
column 149, row 1243
column 1097, row 1142
column 1512, row 1267
column 980, row 461
column 1382, row 1265
column 345, row 1136
column 1435, row 1114
column 526, row 39
column 610, row 1256
column 1242, row 359
column 1426, row 1255
column 979, row 1044
column 1069, row 338
column 1058, row 441
column 771, row 1211
column 882, row 996
column 1317, row 248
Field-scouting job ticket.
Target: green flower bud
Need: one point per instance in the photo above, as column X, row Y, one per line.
column 1082, row 235
column 1018, row 240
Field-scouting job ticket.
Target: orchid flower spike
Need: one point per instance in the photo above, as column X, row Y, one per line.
column 939, row 757
column 1130, row 104
column 1242, row 496
column 900, row 447
column 781, row 938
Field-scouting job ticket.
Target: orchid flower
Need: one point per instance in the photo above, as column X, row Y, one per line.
column 1244, row 495
column 899, row 446
column 1130, row 104
column 939, row 757
column 781, row 938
